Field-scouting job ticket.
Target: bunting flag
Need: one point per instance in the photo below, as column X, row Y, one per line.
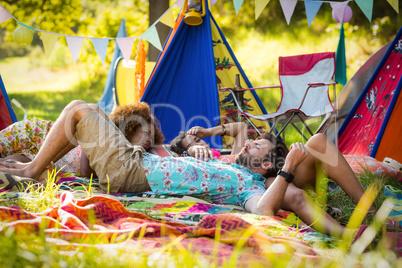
column 100, row 45
column 168, row 18
column 180, row 3
column 288, row 7
column 151, row 35
column 394, row 4
column 74, row 44
column 126, row 45
column 340, row 60
column 312, row 8
column 49, row 41
column 213, row 2
column 237, row 5
column 367, row 7
column 259, row 7
column 4, row 14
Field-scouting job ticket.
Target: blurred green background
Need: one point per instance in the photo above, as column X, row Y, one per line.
column 45, row 85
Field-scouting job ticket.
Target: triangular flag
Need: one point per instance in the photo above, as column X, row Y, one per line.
column 340, row 59
column 151, row 35
column 394, row 4
column 288, row 7
column 168, row 18
column 338, row 11
column 100, row 45
column 49, row 41
column 74, row 45
column 367, row 7
column 213, row 2
column 312, row 8
column 126, row 45
column 237, row 5
column 180, row 3
column 4, row 14
column 259, row 7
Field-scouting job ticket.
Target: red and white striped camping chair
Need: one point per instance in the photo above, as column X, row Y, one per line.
column 305, row 81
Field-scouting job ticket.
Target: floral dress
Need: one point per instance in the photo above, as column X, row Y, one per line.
column 26, row 138
column 213, row 180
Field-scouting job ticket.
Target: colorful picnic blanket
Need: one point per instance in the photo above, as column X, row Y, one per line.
column 103, row 220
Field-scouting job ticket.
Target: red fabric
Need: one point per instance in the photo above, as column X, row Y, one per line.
column 360, row 134
column 300, row 64
column 5, row 118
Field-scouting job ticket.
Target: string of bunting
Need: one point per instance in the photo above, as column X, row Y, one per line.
column 24, row 33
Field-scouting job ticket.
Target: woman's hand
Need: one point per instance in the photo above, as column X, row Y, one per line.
column 201, row 152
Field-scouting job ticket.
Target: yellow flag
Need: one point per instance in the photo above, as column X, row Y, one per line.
column 259, row 7
column 49, row 41
column 168, row 19
column 394, row 4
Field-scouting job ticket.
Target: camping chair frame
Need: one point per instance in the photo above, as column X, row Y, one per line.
column 293, row 113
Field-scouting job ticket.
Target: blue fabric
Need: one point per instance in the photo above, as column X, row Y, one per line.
column 183, row 90
column 106, row 102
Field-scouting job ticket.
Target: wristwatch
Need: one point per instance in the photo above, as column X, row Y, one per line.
column 288, row 176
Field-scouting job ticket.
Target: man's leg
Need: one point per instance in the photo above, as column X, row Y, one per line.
column 299, row 202
column 60, row 137
column 321, row 150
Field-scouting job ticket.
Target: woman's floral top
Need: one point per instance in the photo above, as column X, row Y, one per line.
column 212, row 180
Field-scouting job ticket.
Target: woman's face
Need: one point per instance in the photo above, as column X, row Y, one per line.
column 143, row 137
column 191, row 140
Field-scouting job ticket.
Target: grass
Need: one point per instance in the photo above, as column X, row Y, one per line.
column 37, row 249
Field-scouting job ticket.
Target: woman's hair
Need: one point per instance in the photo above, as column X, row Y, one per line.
column 176, row 145
column 276, row 155
column 129, row 118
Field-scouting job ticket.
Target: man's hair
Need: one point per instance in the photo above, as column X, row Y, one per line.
column 276, row 155
column 176, row 145
column 129, row 118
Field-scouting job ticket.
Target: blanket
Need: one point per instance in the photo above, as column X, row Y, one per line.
column 104, row 220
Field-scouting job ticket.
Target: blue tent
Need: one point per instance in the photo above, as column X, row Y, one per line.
column 106, row 102
column 183, row 87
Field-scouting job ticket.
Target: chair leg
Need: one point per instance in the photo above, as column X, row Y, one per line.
column 252, row 124
column 304, row 123
column 298, row 130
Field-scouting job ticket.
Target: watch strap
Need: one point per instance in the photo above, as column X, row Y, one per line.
column 288, row 176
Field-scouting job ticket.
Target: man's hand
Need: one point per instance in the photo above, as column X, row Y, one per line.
column 201, row 152
column 297, row 154
column 198, row 131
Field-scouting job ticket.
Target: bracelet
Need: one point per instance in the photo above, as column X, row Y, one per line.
column 224, row 130
column 185, row 153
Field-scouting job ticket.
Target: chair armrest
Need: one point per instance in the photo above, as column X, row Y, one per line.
column 245, row 89
column 318, row 84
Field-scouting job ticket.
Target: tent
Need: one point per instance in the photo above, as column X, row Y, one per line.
column 351, row 92
column 183, row 87
column 373, row 125
column 7, row 115
column 106, row 102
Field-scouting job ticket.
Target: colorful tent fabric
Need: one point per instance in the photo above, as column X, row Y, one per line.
column 373, row 125
column 106, row 102
column 7, row 115
column 183, row 87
